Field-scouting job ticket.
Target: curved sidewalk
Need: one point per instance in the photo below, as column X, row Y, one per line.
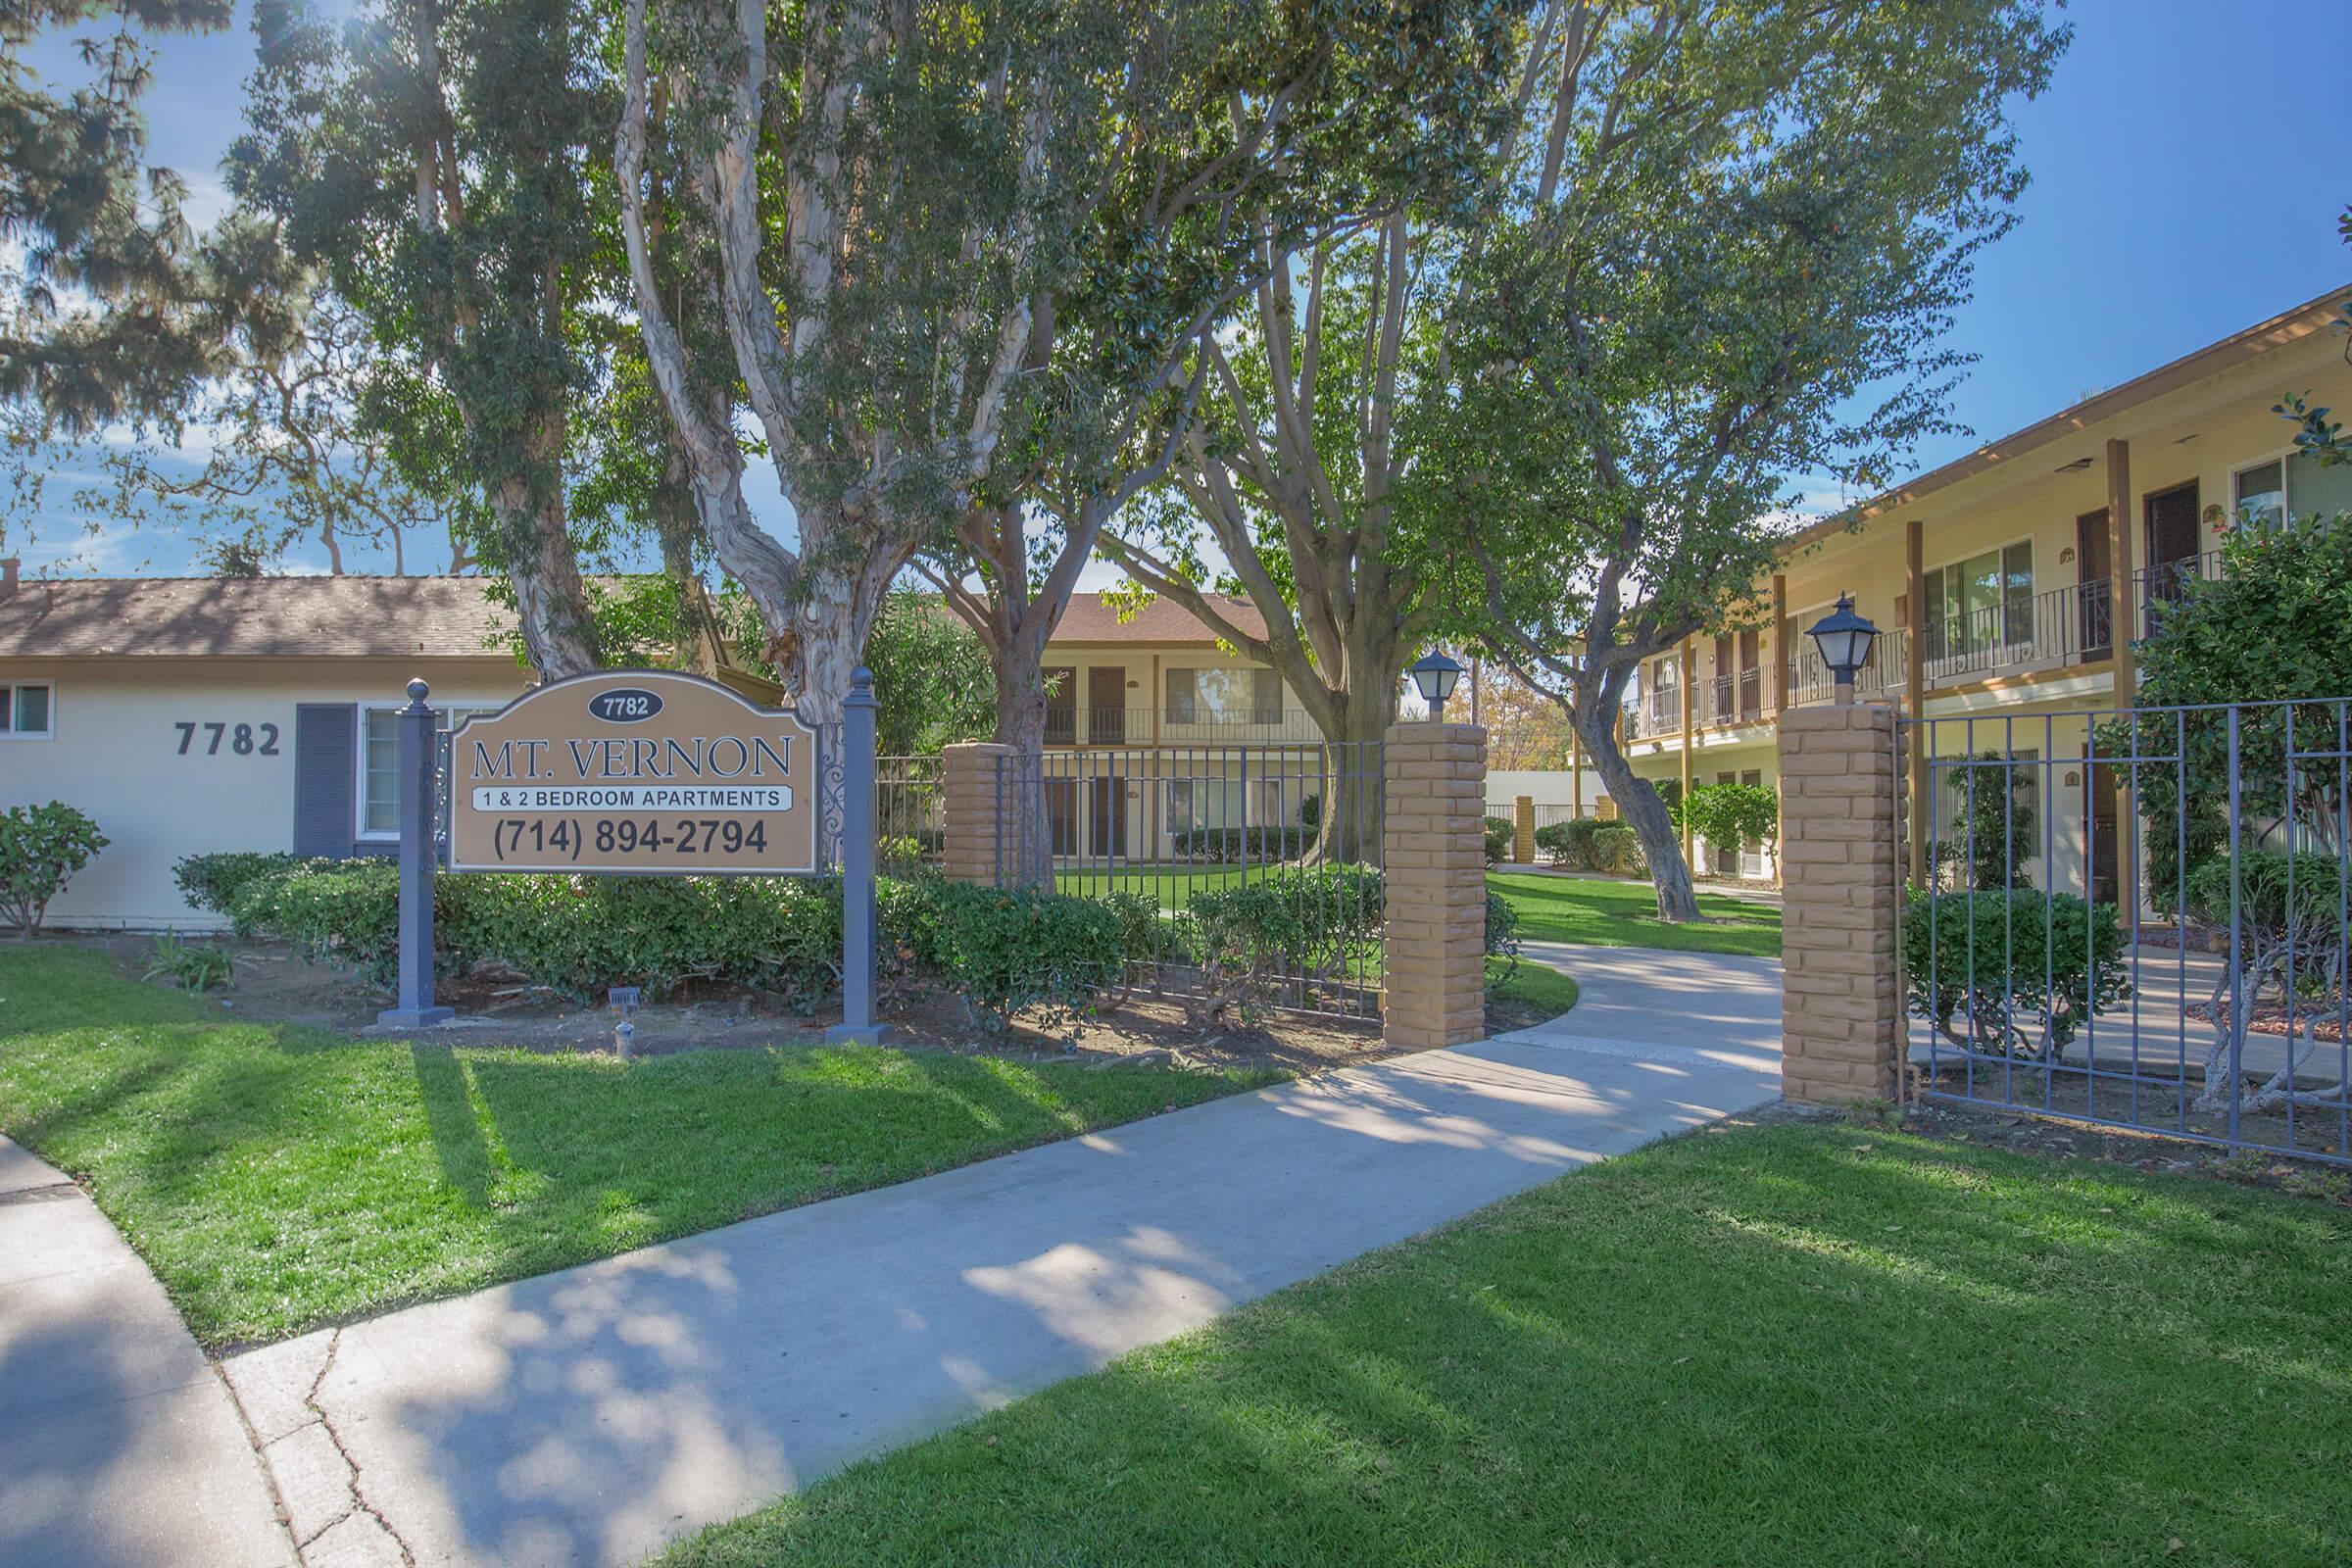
column 1651, row 998
column 119, row 1447
column 588, row 1418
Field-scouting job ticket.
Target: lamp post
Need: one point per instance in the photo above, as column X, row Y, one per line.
column 1844, row 640
column 1435, row 676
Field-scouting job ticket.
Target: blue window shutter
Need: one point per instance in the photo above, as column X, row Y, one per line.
column 325, row 796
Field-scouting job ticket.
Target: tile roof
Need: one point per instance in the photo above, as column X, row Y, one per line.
column 1160, row 620
column 253, row 617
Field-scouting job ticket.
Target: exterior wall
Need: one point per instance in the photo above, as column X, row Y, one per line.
column 1142, row 717
column 1548, row 786
column 2029, row 696
column 115, row 754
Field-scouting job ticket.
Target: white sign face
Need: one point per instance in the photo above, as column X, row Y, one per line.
column 633, row 771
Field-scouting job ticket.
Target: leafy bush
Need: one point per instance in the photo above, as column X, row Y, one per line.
column 196, row 967
column 1008, row 948
column 41, row 847
column 2022, row 969
column 1730, row 816
column 1503, row 930
column 1498, row 839
column 1592, row 844
column 216, row 882
column 344, row 912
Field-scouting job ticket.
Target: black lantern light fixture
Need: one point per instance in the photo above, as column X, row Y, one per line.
column 1844, row 638
column 1435, row 676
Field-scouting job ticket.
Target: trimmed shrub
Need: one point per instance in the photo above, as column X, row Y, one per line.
column 1008, row 949
column 1222, row 845
column 41, row 847
column 1498, row 833
column 1592, row 844
column 216, row 882
column 2021, row 970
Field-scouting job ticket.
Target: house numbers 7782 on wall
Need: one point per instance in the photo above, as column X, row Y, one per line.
column 639, row 772
column 210, row 737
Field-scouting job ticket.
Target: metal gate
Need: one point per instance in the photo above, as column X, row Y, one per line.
column 2136, row 917
column 1264, row 856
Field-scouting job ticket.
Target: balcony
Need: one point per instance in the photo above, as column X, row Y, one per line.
column 2056, row 629
column 1174, row 726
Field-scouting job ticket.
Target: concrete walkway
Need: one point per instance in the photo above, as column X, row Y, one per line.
column 590, row 1416
column 120, row 1447
column 1642, row 998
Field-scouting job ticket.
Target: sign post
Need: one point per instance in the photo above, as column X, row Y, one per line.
column 415, row 759
column 857, row 864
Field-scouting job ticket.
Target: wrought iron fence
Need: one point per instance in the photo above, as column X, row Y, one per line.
column 1242, row 872
column 2137, row 917
column 910, row 814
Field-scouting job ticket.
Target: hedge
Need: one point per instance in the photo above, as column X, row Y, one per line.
column 1254, row 844
column 1001, row 951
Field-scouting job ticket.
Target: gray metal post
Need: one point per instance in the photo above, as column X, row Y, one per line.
column 415, row 763
column 857, row 864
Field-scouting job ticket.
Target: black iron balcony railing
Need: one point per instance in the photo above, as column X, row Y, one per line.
column 1175, row 727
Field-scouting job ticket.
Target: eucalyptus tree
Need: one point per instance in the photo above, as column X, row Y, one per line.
column 436, row 162
column 107, row 309
column 1332, row 119
column 1293, row 476
column 1735, row 236
column 941, row 227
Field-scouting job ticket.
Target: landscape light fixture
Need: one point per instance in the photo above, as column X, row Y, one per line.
column 1844, row 638
column 1435, row 675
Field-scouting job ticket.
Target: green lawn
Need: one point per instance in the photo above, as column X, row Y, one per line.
column 1797, row 1346
column 1603, row 913
column 1533, row 993
column 280, row 1177
column 1173, row 885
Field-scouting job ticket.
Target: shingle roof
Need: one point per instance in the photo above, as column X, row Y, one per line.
column 384, row 617
column 1162, row 620
column 253, row 617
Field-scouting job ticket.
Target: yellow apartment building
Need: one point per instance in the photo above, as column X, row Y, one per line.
column 2009, row 586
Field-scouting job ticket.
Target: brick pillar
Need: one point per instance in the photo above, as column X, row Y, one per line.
column 1434, row 858
column 1841, row 1021
column 1523, row 829
column 975, row 795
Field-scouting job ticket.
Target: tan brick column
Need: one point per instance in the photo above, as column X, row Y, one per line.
column 974, row 786
column 1434, row 858
column 1842, row 1020
column 1523, row 829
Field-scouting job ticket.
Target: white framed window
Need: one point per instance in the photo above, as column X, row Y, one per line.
column 2291, row 484
column 1979, row 605
column 27, row 710
column 1224, row 694
column 377, row 769
column 1198, row 804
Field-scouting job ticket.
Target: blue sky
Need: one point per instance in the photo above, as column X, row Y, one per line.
column 2187, row 172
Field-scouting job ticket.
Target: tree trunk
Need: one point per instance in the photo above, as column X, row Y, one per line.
column 1642, row 808
column 1349, row 828
column 558, row 631
column 1025, row 855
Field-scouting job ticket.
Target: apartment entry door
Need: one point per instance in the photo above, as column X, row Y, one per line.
column 1106, row 705
column 1108, row 800
column 2172, row 542
column 2094, row 566
column 2100, row 811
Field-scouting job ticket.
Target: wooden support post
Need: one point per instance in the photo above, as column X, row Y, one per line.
column 2122, row 631
column 1689, row 694
column 1915, row 689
